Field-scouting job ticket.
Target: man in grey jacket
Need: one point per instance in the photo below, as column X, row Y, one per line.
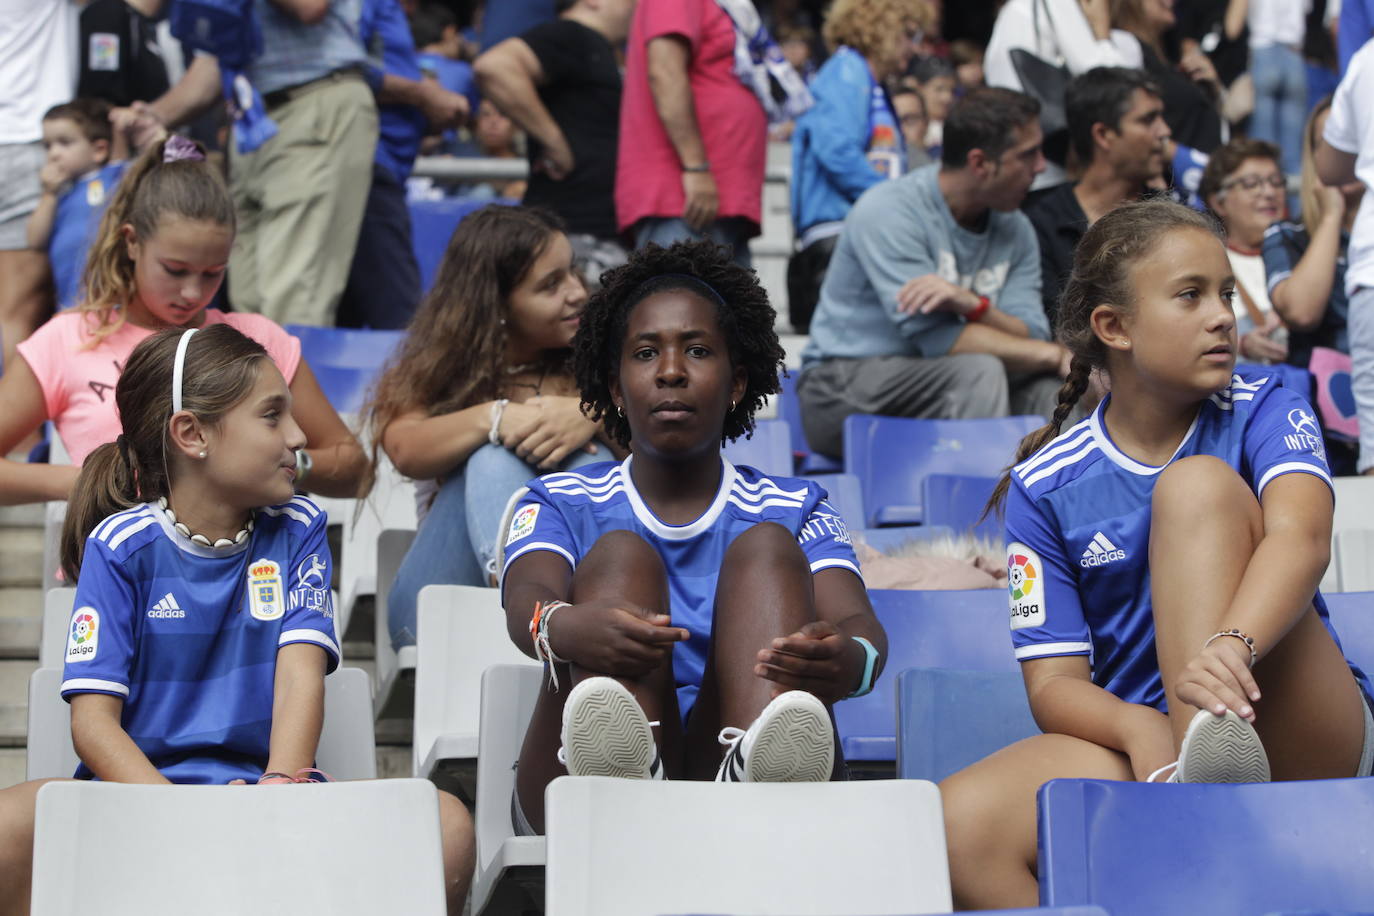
column 931, row 306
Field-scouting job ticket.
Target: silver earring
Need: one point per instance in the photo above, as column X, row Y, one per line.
column 620, row 410
column 732, row 406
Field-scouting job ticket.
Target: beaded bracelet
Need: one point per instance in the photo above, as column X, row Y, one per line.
column 1243, row 637
column 498, row 407
column 271, row 779
column 539, row 632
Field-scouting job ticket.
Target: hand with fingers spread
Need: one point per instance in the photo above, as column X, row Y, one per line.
column 613, row 637
column 933, row 293
column 546, row 429
column 818, row 658
column 1219, row 678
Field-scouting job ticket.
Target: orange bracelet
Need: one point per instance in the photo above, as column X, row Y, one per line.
column 979, row 310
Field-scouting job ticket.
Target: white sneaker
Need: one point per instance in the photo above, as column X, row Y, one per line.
column 1221, row 749
column 605, row 733
column 792, row 740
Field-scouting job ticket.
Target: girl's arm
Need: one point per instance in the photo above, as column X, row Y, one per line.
column 24, row 412
column 297, row 708
column 423, row 447
column 104, row 746
column 1065, row 701
column 1301, row 298
column 1277, row 589
column 40, row 225
column 338, row 463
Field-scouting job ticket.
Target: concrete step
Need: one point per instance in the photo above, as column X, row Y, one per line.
column 27, row 516
column 21, row 556
column 21, row 622
column 11, row 766
column 14, row 700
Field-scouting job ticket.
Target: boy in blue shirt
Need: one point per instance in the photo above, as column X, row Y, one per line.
column 78, row 181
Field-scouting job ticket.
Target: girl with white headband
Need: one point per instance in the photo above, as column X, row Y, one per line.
column 192, row 554
column 157, row 261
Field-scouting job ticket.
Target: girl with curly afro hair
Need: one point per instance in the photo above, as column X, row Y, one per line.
column 696, row 617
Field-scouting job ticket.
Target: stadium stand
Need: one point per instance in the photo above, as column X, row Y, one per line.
column 948, row 719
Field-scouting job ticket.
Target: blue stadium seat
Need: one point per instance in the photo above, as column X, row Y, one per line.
column 957, row 500
column 892, row 456
column 845, row 495
column 925, row 629
column 431, row 226
column 949, row 719
column 809, row 463
column 346, row 389
column 345, row 348
column 1352, row 614
column 1144, row 848
column 769, row 449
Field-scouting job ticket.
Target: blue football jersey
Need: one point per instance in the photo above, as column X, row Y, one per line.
column 188, row 635
column 567, row 512
column 74, row 228
column 1078, row 527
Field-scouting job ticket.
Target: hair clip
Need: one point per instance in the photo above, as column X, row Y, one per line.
column 178, row 148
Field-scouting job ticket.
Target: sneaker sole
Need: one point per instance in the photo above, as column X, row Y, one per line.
column 796, row 744
column 605, row 732
column 1222, row 749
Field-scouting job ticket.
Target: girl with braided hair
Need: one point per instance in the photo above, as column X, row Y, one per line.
column 1164, row 557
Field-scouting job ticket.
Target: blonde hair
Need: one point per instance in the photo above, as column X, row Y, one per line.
column 1308, row 198
column 151, row 190
column 867, row 25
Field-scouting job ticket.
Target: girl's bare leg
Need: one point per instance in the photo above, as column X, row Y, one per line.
column 990, row 816
column 1206, row 525
column 16, row 845
column 620, row 565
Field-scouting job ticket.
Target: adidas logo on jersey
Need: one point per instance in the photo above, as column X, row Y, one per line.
column 167, row 607
column 1100, row 552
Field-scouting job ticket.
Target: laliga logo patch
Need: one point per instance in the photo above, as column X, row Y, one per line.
column 84, row 637
column 264, row 590
column 1025, row 587
column 522, row 526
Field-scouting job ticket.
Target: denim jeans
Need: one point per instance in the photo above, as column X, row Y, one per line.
column 732, row 232
column 456, row 543
column 1280, row 101
column 1361, row 330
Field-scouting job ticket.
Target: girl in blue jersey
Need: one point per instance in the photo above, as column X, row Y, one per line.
column 203, row 623
column 696, row 617
column 1164, row 560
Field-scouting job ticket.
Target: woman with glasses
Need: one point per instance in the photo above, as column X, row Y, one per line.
column 1243, row 186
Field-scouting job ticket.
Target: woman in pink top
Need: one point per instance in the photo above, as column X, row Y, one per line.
column 157, row 262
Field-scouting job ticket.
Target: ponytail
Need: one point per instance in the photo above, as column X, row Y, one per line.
column 1070, row 393
column 108, row 484
column 156, row 185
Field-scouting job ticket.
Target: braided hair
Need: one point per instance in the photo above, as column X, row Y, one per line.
column 705, row 269
column 1102, row 266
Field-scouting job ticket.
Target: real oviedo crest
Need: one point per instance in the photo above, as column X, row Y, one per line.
column 266, row 599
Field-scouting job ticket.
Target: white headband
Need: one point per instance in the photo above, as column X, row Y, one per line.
column 178, row 367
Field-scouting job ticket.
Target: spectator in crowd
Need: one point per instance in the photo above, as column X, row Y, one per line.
column 850, row 139
column 494, row 136
column 1118, row 133
column 798, row 45
column 78, row 180
column 1305, row 262
column 560, row 83
column 693, row 137
column 435, row 30
column 157, row 262
column 1277, row 28
column 507, row 291
column 38, row 56
column 121, row 60
column 931, row 306
column 1346, row 154
column 384, row 280
column 933, row 78
column 301, row 196
column 1076, row 34
column 1191, row 88
column 1243, row 185
column 703, row 616
column 1147, row 661
column 910, row 109
column 225, row 687
column 967, row 59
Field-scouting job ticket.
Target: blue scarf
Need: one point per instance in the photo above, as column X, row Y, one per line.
column 759, row 64
column 228, row 30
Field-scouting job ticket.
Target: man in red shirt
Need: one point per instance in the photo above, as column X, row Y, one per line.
column 693, row 137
